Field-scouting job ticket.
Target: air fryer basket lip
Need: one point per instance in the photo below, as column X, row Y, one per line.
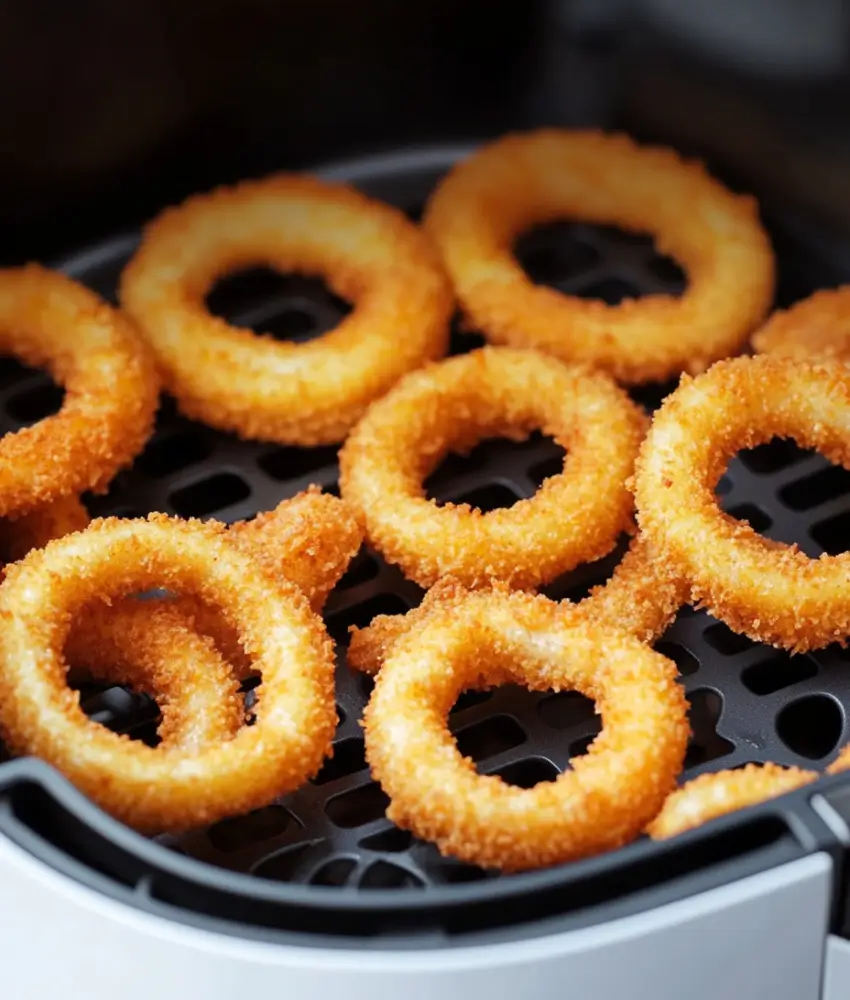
column 783, row 830
column 786, row 828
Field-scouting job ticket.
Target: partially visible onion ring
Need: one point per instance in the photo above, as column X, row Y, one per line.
column 770, row 592
column 493, row 637
column 816, row 327
column 40, row 526
column 574, row 517
column 523, row 180
column 164, row 789
column 712, row 795
column 111, row 390
column 302, row 394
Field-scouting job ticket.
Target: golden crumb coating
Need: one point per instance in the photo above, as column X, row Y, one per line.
column 639, row 599
column 771, row 592
column 574, row 517
column 301, row 394
column 494, row 637
column 712, row 795
column 174, row 788
column 816, row 327
column 523, row 180
column 111, row 389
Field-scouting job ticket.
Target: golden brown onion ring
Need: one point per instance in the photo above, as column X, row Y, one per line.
column 638, row 599
column 164, row 789
column 491, row 638
column 40, row 526
column 771, row 592
column 524, row 180
column 712, row 795
column 303, row 394
column 575, row 516
column 111, row 390
column 816, row 327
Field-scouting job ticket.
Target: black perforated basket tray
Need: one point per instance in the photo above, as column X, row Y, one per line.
column 325, row 865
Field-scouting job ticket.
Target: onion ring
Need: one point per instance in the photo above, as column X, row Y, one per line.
column 639, row 599
column 111, row 390
column 172, row 789
column 182, row 652
column 771, row 592
column 574, row 517
column 818, row 326
column 712, row 795
column 527, row 179
column 301, row 394
column 40, row 526
column 490, row 638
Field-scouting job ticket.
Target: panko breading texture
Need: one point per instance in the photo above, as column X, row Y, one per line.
column 301, row 394
column 523, row 180
column 639, row 599
column 770, row 592
column 175, row 788
column 712, row 795
column 111, row 390
column 816, row 327
column 490, row 638
column 574, row 517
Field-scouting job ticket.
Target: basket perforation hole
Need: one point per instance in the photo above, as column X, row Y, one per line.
column 357, row 807
column 168, row 455
column 489, row 737
column 552, row 253
column 32, row 405
column 349, row 757
column 668, row 272
column 549, row 467
column 362, row 613
column 579, row 747
column 282, row 464
column 206, row 496
column 566, row 709
column 490, row 497
column 459, row 873
column 684, row 659
column 752, row 515
column 362, row 569
column 469, row 699
column 253, row 828
column 811, row 726
column 385, row 875
column 392, row 841
column 821, row 487
column 335, row 872
column 721, row 638
column 613, row 291
column 774, row 455
column 833, row 534
column 13, row 371
column 706, row 743
column 123, row 711
column 528, row 772
column 287, row 307
column 778, row 672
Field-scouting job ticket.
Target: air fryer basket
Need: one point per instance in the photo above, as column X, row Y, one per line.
column 324, row 866
column 330, row 844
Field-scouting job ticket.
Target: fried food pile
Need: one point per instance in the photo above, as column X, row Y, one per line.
column 185, row 610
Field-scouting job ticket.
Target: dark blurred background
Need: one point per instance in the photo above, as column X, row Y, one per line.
column 109, row 110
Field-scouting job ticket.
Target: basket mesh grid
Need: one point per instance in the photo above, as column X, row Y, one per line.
column 748, row 702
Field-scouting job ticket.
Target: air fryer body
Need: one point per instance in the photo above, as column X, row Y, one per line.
column 111, row 111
